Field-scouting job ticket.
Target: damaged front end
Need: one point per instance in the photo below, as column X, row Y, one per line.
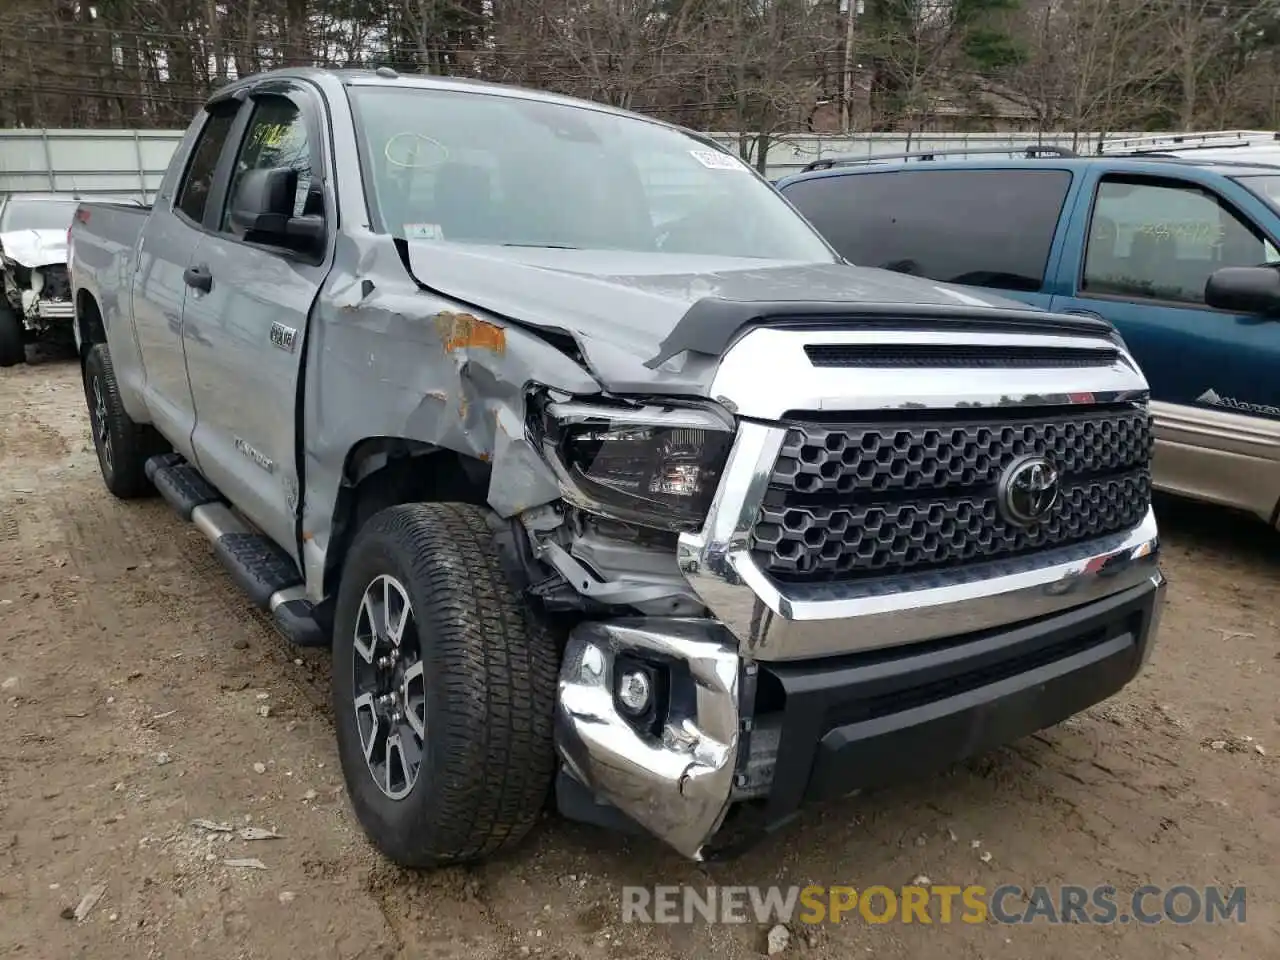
column 648, row 713
column 754, row 646
column 40, row 295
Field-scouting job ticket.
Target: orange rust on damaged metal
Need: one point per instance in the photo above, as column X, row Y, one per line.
column 459, row 330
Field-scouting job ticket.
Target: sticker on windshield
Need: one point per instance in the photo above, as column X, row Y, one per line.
column 423, row 231
column 715, row 160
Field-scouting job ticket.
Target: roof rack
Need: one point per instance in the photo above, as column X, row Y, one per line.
column 1030, row 152
column 1163, row 143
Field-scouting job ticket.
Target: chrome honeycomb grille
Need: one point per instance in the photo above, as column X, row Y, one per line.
column 849, row 500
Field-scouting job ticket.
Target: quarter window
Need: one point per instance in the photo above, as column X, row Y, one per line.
column 1160, row 240
column 277, row 137
column 987, row 228
column 193, row 194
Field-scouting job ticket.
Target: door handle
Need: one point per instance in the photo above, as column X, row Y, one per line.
column 198, row 277
column 1084, row 313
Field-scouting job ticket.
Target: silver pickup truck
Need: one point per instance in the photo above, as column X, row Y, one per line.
column 601, row 473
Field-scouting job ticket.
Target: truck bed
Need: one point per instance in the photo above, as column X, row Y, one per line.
column 104, row 237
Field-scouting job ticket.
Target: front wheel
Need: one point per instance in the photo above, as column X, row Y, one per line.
column 443, row 689
column 13, row 349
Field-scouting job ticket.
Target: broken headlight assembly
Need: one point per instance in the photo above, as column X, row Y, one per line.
column 655, row 465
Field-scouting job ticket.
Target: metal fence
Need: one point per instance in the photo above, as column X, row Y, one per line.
column 131, row 163
column 125, row 163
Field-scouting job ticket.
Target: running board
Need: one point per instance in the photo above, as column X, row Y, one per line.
column 181, row 485
column 255, row 562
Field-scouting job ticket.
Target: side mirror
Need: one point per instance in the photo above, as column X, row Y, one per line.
column 1253, row 290
column 262, row 208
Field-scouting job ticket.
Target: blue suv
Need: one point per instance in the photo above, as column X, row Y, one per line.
column 1176, row 241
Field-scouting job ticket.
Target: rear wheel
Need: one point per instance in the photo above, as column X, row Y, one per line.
column 443, row 689
column 123, row 445
column 13, row 338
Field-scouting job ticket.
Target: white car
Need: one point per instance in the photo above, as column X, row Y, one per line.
column 36, row 302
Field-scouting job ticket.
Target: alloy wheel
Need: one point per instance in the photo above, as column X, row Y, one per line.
column 390, row 687
column 100, row 423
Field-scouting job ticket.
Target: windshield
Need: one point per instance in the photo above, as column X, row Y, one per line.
column 1265, row 186
column 478, row 168
column 37, row 215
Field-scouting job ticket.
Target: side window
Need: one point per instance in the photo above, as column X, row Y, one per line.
column 193, row 193
column 988, row 228
column 277, row 137
column 1160, row 240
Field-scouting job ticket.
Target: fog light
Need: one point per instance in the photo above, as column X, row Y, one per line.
column 635, row 691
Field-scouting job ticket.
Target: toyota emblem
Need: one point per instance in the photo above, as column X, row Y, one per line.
column 1028, row 490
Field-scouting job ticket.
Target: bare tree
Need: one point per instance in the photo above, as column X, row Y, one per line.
column 765, row 68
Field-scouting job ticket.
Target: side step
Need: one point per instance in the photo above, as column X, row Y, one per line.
column 257, row 565
column 180, row 484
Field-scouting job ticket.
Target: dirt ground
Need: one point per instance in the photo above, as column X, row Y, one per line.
column 140, row 692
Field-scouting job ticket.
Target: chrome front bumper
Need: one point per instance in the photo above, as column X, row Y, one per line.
column 678, row 781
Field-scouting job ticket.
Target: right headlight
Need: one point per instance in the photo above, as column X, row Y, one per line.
column 656, row 465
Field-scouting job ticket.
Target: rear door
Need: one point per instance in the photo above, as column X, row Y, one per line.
column 991, row 228
column 1144, row 245
column 245, row 336
column 169, row 240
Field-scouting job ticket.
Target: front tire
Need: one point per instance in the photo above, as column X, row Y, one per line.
column 13, row 339
column 123, row 445
column 443, row 689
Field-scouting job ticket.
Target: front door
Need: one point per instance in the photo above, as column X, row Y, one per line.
column 245, row 335
column 1152, row 242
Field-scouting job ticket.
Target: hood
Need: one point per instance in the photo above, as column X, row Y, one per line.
column 625, row 309
column 35, row 248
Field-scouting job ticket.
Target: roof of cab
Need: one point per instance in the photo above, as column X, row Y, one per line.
column 377, row 78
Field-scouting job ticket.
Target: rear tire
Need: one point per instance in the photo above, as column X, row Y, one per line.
column 13, row 339
column 123, row 445
column 466, row 691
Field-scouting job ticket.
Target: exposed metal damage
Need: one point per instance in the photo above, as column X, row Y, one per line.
column 444, row 379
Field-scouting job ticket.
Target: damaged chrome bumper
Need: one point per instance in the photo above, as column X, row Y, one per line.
column 670, row 771
column 678, row 774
